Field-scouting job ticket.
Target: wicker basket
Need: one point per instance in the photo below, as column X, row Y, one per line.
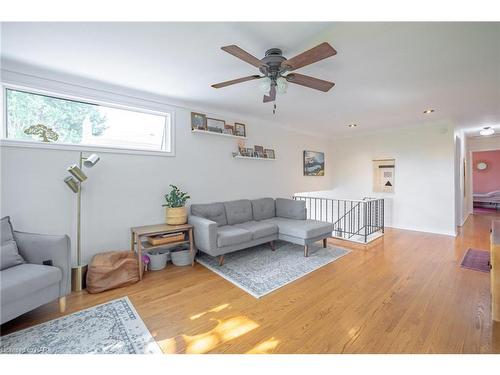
column 175, row 216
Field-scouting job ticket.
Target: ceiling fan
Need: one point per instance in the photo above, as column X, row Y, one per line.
column 274, row 68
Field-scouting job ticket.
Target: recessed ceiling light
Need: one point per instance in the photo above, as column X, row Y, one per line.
column 427, row 111
column 487, row 131
column 352, row 125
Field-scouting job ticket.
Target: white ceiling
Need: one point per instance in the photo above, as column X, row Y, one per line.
column 386, row 74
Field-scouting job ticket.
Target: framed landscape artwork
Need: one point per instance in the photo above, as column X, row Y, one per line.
column 314, row 163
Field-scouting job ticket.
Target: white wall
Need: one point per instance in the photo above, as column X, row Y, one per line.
column 424, row 198
column 127, row 190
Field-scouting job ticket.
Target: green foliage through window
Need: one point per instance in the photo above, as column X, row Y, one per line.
column 66, row 117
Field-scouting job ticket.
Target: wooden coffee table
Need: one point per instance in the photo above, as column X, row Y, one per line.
column 137, row 234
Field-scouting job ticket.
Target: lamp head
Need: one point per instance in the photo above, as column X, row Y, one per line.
column 92, row 160
column 72, row 184
column 77, row 173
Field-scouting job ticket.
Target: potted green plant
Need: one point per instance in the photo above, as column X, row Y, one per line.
column 175, row 212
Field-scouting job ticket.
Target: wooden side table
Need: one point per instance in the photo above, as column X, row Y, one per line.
column 138, row 233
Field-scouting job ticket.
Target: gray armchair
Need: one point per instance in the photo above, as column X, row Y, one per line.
column 40, row 274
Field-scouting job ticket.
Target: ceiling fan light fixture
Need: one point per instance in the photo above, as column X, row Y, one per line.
column 265, row 85
column 281, row 85
column 487, row 130
column 273, row 65
column 427, row 111
column 352, row 125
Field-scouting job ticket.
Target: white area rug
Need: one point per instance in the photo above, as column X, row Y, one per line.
column 111, row 328
column 259, row 271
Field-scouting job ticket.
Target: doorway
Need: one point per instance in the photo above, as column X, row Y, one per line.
column 486, row 182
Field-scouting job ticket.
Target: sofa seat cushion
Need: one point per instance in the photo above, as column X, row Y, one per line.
column 263, row 208
column 211, row 211
column 238, row 211
column 301, row 228
column 19, row 281
column 229, row 235
column 259, row 229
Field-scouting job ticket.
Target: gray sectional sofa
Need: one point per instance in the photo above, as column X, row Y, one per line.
column 224, row 227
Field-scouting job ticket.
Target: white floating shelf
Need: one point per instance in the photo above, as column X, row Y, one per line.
column 252, row 157
column 219, row 134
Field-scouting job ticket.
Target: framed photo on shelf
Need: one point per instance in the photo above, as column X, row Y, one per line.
column 198, row 121
column 250, row 152
column 228, row 129
column 240, row 130
column 215, row 125
column 241, row 147
column 269, row 153
column 259, row 151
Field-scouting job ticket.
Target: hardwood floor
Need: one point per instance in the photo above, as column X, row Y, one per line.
column 404, row 293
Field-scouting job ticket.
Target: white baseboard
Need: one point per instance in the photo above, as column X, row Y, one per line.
column 424, row 230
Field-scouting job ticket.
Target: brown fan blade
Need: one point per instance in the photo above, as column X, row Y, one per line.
column 235, row 81
column 313, row 83
column 315, row 54
column 243, row 55
column 272, row 95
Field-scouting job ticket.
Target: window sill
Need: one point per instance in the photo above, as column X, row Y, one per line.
column 81, row 148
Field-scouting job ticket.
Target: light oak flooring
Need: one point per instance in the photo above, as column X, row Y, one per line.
column 404, row 293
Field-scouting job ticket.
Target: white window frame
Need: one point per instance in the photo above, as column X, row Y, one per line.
column 97, row 97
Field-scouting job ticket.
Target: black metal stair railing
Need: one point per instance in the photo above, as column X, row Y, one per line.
column 354, row 220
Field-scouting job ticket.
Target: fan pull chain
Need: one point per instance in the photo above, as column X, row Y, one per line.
column 274, row 109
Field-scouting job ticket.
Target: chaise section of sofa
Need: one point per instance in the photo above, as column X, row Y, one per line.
column 223, row 227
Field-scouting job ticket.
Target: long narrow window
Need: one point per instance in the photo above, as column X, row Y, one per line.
column 43, row 118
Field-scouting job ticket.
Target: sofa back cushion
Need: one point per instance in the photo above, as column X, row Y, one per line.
column 290, row 209
column 9, row 253
column 238, row 211
column 263, row 208
column 211, row 211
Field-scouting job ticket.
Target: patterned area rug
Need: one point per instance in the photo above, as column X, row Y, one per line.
column 111, row 328
column 477, row 260
column 259, row 271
